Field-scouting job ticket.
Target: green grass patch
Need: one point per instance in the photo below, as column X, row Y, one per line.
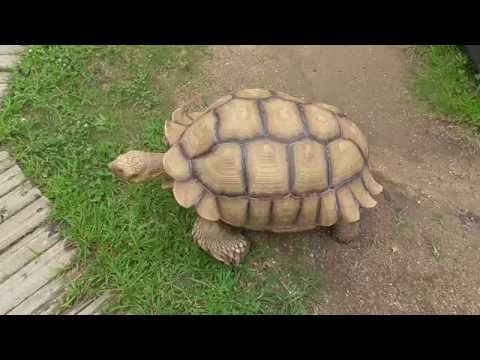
column 446, row 79
column 73, row 109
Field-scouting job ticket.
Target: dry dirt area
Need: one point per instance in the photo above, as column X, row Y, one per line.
column 420, row 247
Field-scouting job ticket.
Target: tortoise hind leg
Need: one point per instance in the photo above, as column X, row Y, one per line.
column 346, row 232
column 225, row 245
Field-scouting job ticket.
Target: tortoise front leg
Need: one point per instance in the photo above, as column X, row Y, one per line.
column 225, row 245
column 346, row 232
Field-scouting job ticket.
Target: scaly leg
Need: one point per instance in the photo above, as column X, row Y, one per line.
column 225, row 245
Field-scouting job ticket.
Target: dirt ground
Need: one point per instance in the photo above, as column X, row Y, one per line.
column 420, row 247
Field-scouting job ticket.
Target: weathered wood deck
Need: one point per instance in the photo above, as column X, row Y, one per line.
column 32, row 253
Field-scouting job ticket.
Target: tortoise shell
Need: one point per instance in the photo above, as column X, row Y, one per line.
column 265, row 160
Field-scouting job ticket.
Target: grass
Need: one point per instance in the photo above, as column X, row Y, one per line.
column 403, row 222
column 446, row 79
column 71, row 110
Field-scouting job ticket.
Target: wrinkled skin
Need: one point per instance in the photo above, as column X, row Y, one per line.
column 138, row 167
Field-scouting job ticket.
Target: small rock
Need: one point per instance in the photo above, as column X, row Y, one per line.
column 394, row 249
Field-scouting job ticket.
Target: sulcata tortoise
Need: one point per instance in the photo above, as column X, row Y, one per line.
column 261, row 160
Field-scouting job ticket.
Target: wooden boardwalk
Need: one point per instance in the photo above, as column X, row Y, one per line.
column 32, row 253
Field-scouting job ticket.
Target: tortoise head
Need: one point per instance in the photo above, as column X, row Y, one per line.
column 138, row 166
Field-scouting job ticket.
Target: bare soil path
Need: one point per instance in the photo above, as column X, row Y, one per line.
column 420, row 248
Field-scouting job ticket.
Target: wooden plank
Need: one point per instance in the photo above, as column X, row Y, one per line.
column 33, row 276
column 95, row 306
column 23, row 223
column 11, row 49
column 6, row 164
column 17, row 199
column 44, row 295
column 3, row 90
column 52, row 306
column 26, row 250
column 8, row 62
column 4, row 76
column 10, row 179
column 79, row 307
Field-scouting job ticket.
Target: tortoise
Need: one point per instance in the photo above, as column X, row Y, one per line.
column 260, row 160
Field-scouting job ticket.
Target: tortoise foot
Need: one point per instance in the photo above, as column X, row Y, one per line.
column 225, row 245
column 346, row 233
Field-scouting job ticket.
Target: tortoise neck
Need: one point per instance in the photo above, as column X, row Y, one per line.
column 154, row 166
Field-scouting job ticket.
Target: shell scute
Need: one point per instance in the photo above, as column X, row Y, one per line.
column 285, row 210
column 233, row 210
column 187, row 193
column 310, row 167
column 207, row 207
column 321, row 123
column 352, row 132
column 176, row 165
column 267, row 167
column 239, row 120
column 199, row 137
column 221, row 169
column 283, row 120
column 346, row 160
column 253, row 93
